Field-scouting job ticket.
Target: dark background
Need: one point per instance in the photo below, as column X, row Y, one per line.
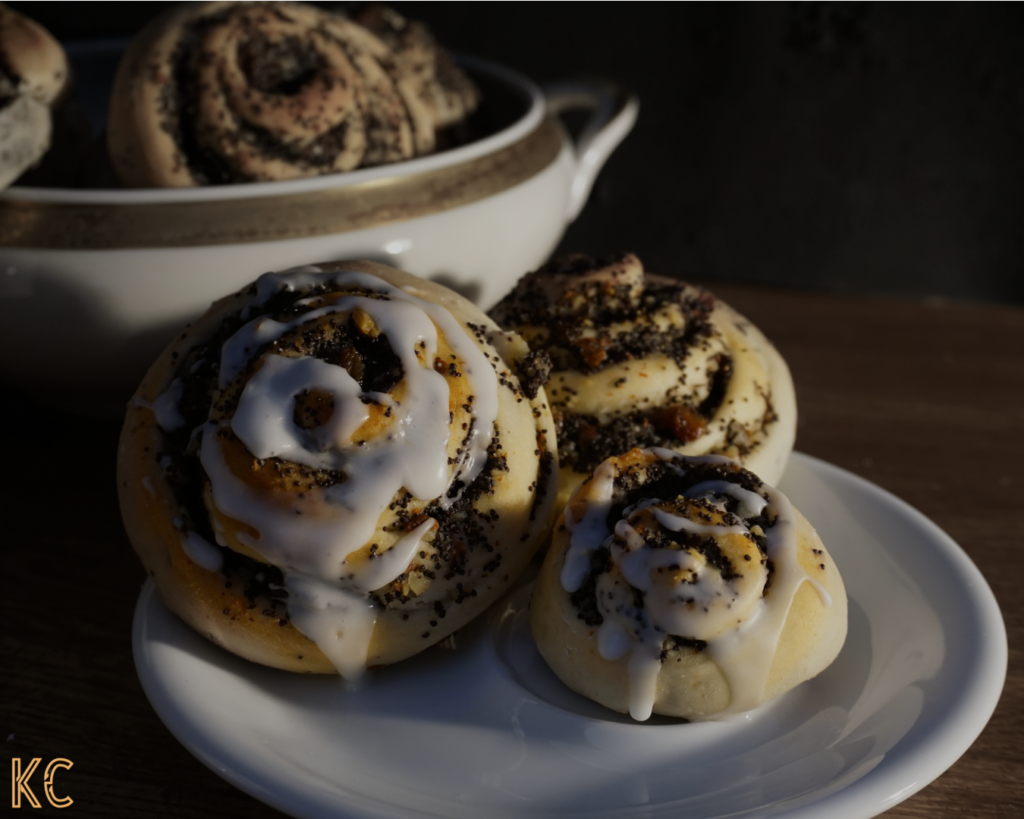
column 847, row 147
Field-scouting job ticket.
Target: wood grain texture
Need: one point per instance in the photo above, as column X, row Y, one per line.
column 926, row 399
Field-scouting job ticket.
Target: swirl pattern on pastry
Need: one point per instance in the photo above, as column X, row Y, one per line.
column 685, row 587
column 33, row 73
column 442, row 85
column 637, row 360
column 353, row 441
column 216, row 93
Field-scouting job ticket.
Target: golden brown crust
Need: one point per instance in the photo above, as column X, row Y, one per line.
column 639, row 359
column 143, row 153
column 690, row 682
column 220, row 610
column 221, row 614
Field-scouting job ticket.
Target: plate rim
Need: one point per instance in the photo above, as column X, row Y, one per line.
column 950, row 739
column 900, row 774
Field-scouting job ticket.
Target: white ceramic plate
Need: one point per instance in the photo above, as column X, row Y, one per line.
column 486, row 730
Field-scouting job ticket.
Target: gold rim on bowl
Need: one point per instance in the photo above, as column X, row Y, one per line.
column 229, row 214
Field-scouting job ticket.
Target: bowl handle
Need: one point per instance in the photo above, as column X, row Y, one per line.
column 613, row 114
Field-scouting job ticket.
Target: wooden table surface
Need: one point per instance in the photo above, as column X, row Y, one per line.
column 926, row 399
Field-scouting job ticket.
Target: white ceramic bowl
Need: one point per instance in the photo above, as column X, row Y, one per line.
column 94, row 283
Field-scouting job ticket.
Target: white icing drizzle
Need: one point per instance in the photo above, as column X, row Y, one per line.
column 239, row 348
column 293, row 280
column 265, row 423
column 591, row 531
column 340, row 621
column 751, row 504
column 316, row 533
column 644, row 666
column 826, row 598
column 340, row 618
column 386, row 566
column 310, row 536
column 201, row 552
column 740, row 624
column 677, row 524
column 165, row 406
column 745, row 654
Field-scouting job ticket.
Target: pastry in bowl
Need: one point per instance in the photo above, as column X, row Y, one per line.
column 222, row 92
column 638, row 360
column 336, row 468
column 34, row 73
column 685, row 587
column 444, row 88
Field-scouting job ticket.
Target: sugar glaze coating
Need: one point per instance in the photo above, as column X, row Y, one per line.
column 354, row 437
column 685, row 587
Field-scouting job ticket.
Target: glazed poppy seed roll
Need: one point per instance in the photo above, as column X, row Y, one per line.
column 631, row 359
column 685, row 587
column 217, row 93
column 336, row 468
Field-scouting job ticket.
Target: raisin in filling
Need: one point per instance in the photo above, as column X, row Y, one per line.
column 578, row 337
